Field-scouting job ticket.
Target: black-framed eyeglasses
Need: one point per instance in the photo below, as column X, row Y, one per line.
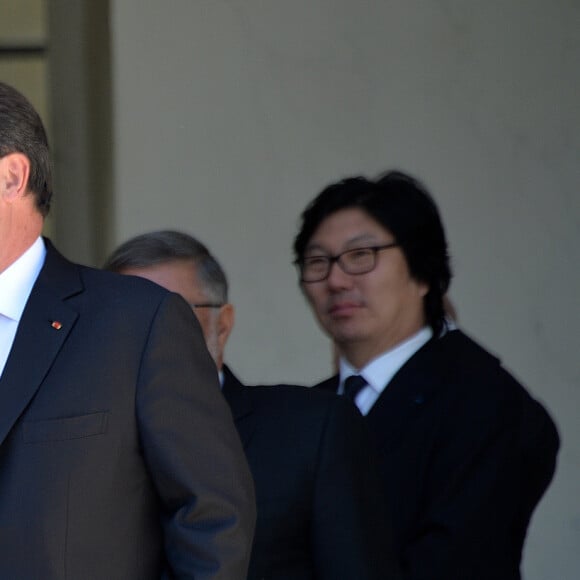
column 207, row 305
column 356, row 261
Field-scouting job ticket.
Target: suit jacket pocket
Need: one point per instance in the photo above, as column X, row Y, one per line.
column 65, row 428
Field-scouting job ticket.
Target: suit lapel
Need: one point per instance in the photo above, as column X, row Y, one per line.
column 38, row 340
column 409, row 394
column 239, row 398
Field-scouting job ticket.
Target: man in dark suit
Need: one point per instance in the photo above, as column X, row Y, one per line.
column 466, row 452
column 320, row 508
column 112, row 467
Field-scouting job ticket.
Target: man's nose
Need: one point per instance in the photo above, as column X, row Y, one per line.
column 338, row 278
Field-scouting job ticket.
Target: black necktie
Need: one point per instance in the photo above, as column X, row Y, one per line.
column 353, row 385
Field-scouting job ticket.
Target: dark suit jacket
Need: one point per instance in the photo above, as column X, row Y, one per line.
column 320, row 508
column 118, row 455
column 466, row 456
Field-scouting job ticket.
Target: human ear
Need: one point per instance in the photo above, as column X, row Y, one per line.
column 14, row 173
column 225, row 324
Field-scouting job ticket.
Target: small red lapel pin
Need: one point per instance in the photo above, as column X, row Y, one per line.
column 56, row 325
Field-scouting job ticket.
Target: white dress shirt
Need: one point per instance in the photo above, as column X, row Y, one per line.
column 379, row 372
column 16, row 283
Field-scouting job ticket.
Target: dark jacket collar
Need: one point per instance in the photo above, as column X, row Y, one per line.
column 45, row 325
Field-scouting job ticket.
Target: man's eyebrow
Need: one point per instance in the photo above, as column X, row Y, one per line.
column 314, row 248
column 352, row 243
column 362, row 238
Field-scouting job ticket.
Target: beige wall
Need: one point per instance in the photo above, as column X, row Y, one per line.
column 82, row 148
column 229, row 116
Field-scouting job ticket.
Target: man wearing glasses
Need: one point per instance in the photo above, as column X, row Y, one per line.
column 320, row 507
column 466, row 453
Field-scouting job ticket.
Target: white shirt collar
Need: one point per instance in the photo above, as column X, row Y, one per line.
column 17, row 280
column 379, row 372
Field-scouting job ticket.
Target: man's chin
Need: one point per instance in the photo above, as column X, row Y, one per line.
column 344, row 334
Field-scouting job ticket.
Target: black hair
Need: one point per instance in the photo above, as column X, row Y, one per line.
column 404, row 207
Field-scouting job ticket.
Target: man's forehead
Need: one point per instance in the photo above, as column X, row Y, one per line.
column 348, row 227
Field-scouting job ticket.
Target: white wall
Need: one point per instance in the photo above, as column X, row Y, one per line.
column 231, row 115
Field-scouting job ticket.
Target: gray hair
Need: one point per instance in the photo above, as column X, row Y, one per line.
column 164, row 246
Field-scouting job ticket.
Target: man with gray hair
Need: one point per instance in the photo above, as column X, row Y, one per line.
column 321, row 514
